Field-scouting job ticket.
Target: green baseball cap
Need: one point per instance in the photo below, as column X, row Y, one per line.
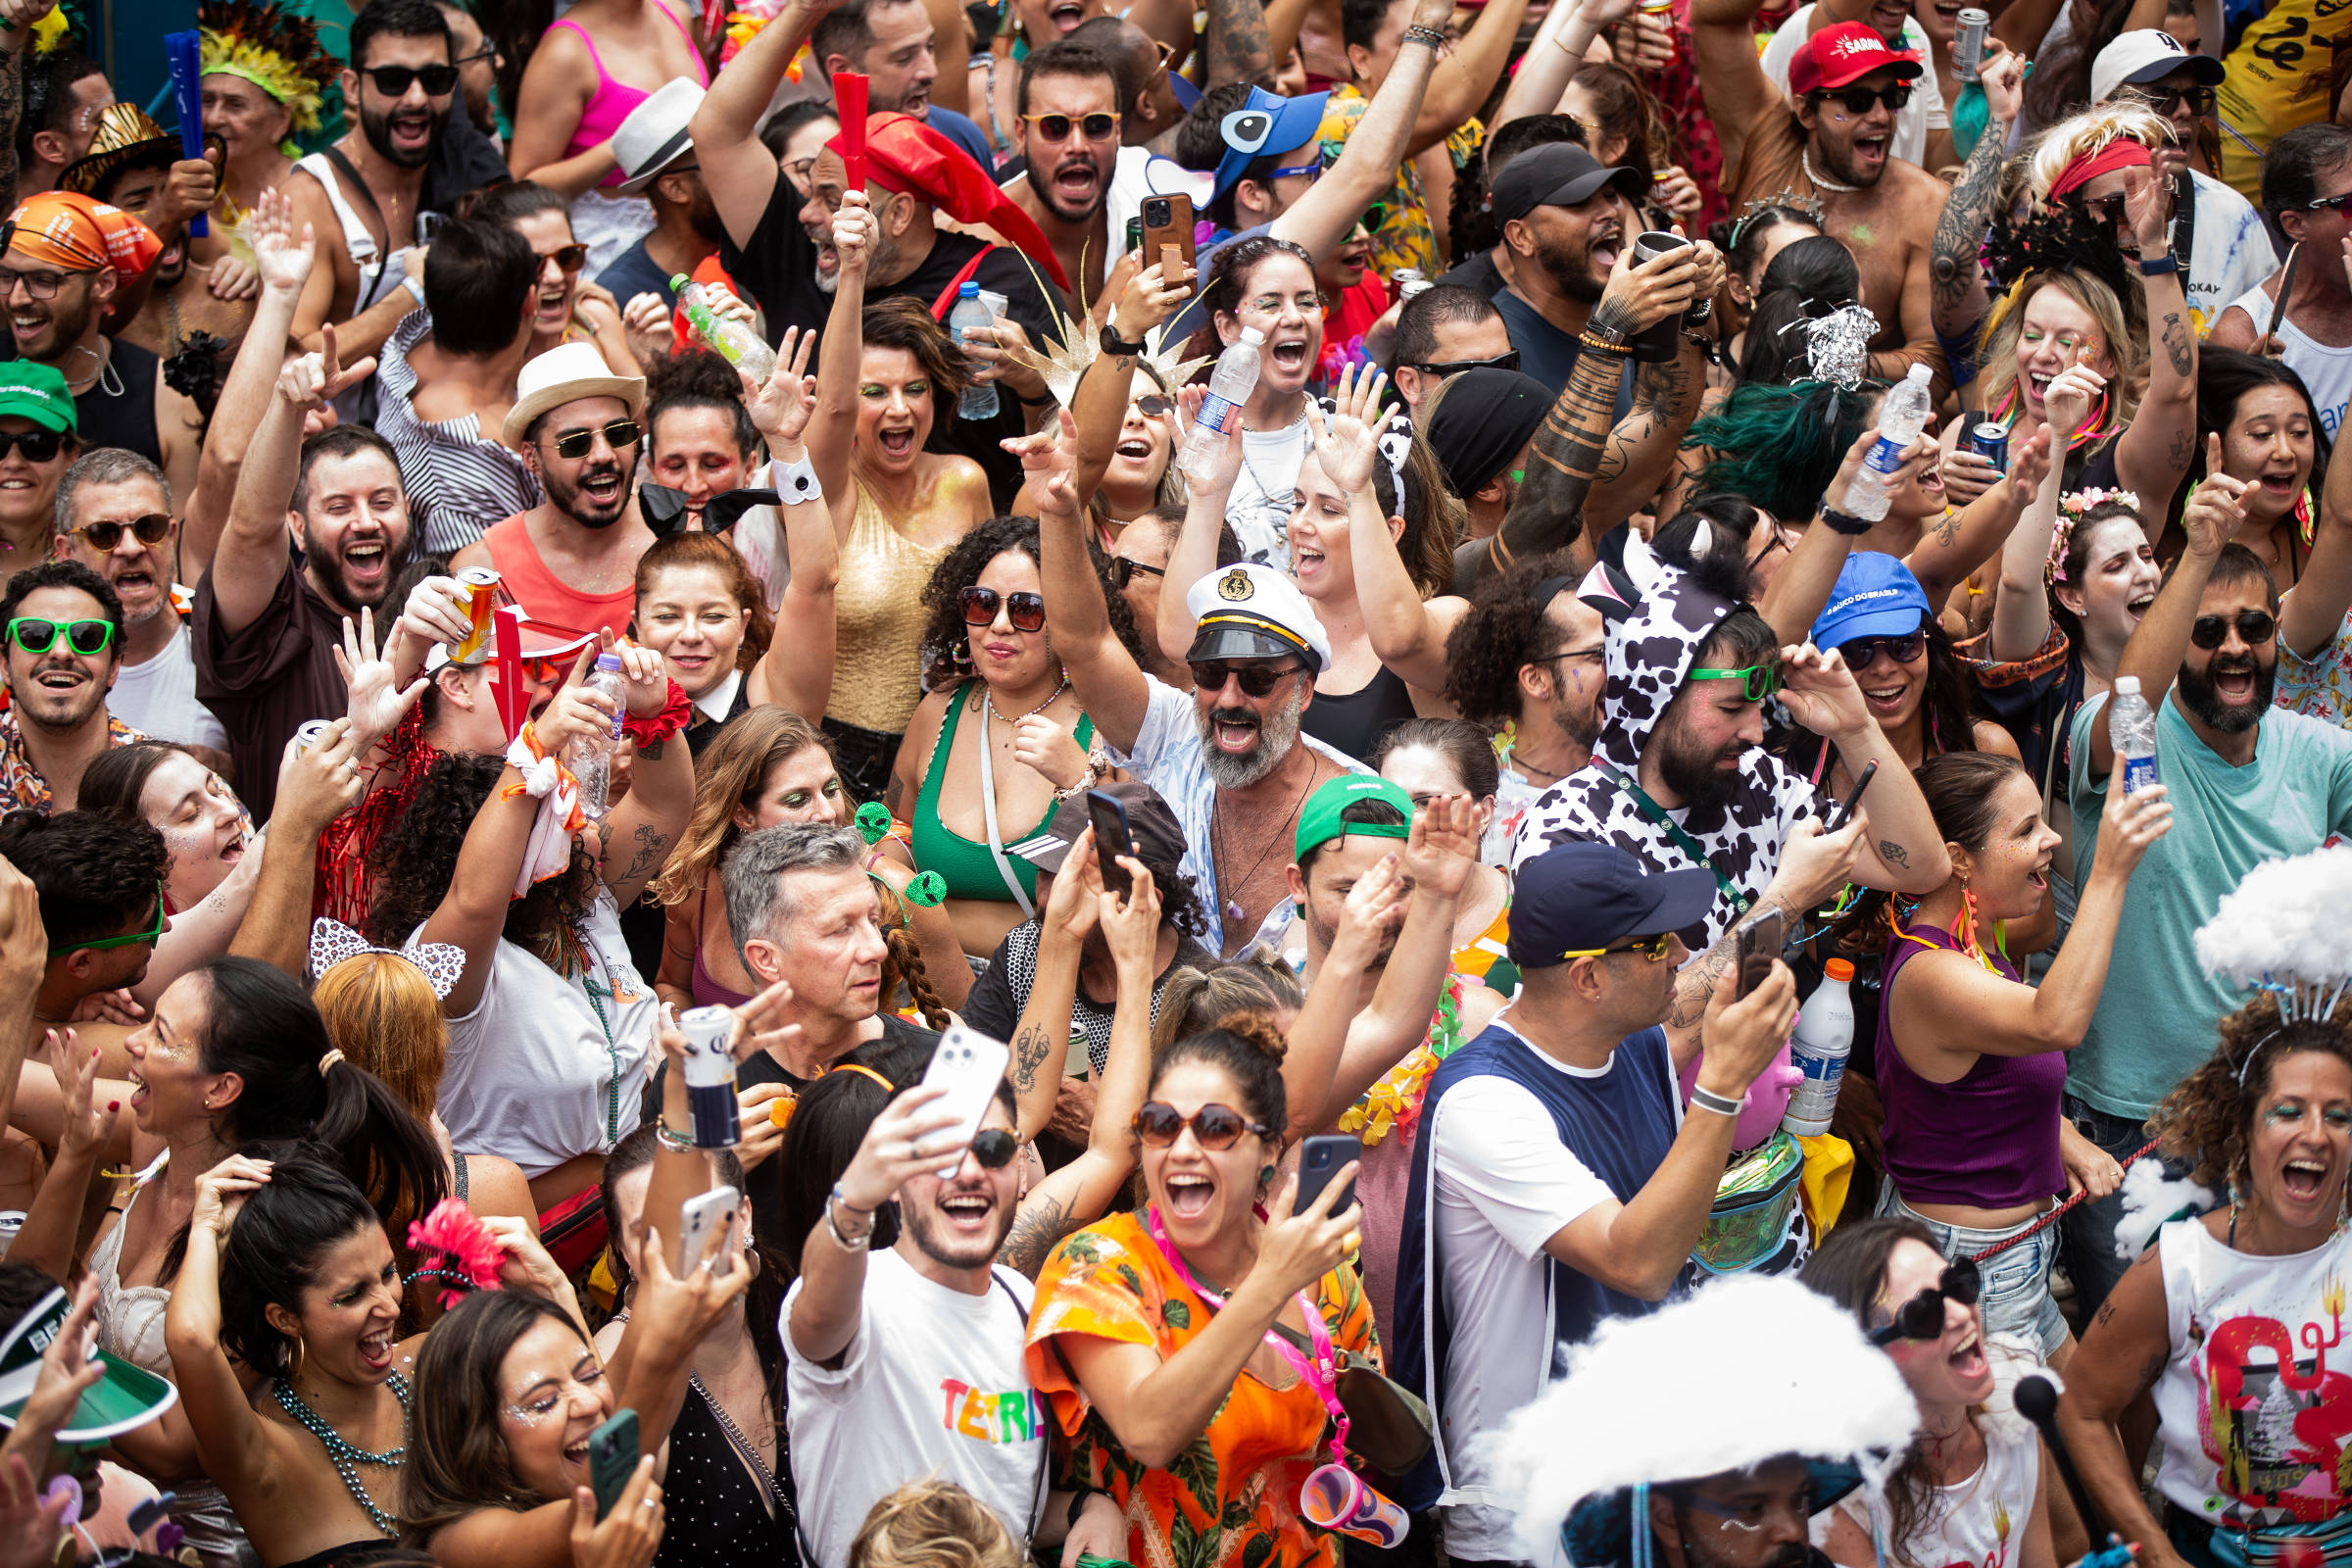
column 38, row 392
column 125, row 1397
column 1319, row 820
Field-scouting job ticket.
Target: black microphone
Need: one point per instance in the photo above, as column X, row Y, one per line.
column 2038, row 1401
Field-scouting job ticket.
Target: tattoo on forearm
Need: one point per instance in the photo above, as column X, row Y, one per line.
column 1035, row 1231
column 2177, row 345
column 1948, row 528
column 1029, row 1053
column 1894, row 854
column 1695, row 984
column 1960, row 227
column 652, row 845
column 2181, row 451
column 1242, row 50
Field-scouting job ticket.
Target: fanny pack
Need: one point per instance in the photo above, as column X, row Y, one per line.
column 1755, row 1206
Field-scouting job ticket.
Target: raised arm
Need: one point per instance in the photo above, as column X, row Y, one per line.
column 639, row 832
column 1194, row 553
column 1111, row 686
column 1957, row 300
column 52, row 1229
column 1141, row 302
column 1643, row 445
column 1950, row 551
column 284, row 265
column 1903, row 853
column 1407, row 632
column 796, row 670
column 1465, row 76
column 2152, row 455
column 833, row 428
column 1237, row 44
column 903, row 1142
column 738, row 170
column 232, row 1439
column 2309, row 617
column 1731, row 74
column 15, row 39
column 313, row 788
column 1041, row 1040
column 1552, row 55
column 1800, row 590
column 1382, row 139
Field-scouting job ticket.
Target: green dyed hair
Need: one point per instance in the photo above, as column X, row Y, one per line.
column 1779, row 446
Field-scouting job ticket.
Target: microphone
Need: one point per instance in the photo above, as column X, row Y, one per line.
column 2038, row 1401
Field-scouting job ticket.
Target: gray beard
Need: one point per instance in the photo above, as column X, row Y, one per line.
column 1276, row 736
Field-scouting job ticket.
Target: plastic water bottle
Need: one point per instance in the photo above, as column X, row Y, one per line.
column 1901, row 418
column 735, row 341
column 977, row 402
column 1229, row 387
column 2131, row 729
column 590, row 757
column 1824, row 1039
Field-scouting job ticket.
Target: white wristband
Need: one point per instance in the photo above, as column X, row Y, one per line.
column 414, row 285
column 795, row 483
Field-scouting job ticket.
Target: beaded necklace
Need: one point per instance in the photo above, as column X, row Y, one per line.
column 342, row 1455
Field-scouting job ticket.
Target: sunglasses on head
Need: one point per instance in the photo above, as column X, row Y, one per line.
column 2108, row 209
column 1257, row 679
column 151, row 529
column 1027, row 612
column 1097, row 126
column 1651, row 948
column 1921, row 1316
column 154, row 933
column 1863, row 651
column 2163, row 100
column 38, row 446
column 37, row 636
column 994, row 1147
column 1123, row 570
column 2254, row 629
column 1214, row 1127
column 1760, row 680
column 1501, row 361
column 568, row 259
column 579, row 443
column 393, row 81
column 1857, row 100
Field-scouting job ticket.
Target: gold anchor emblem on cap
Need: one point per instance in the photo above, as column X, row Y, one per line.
column 1235, row 584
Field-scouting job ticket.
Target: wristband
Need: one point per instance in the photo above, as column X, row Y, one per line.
column 1846, row 523
column 1708, row 1100
column 1416, row 33
column 652, row 731
column 2159, row 266
column 675, row 1143
column 414, row 285
column 794, row 482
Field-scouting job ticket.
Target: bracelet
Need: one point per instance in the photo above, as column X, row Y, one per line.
column 837, row 1196
column 661, row 726
column 1416, row 33
column 1846, row 523
column 1708, row 1100
column 857, row 1243
column 2159, row 266
column 1602, row 345
column 794, row 482
column 414, row 286
column 675, row 1143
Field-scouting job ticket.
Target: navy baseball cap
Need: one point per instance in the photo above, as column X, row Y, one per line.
column 1876, row 597
column 1578, row 898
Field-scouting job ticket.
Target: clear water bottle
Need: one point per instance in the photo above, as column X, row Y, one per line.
column 1229, row 387
column 735, row 341
column 1901, row 418
column 2131, row 730
column 977, row 402
column 1824, row 1039
column 590, row 757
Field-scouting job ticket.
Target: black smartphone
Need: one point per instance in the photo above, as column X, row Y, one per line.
column 1112, row 838
column 1846, row 812
column 612, row 1458
column 1760, row 942
column 1168, row 224
column 1320, row 1158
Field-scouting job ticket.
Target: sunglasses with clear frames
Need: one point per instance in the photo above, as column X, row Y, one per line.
column 393, row 82
column 1214, row 1127
column 1123, row 572
column 576, row 444
column 1096, row 126
column 2254, row 629
column 151, row 529
column 1257, row 679
column 36, row 635
column 1858, row 100
column 1863, row 651
column 1761, row 681
column 1921, row 1316
column 1027, row 612
column 38, row 446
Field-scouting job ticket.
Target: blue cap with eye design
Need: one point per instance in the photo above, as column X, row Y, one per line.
column 1267, row 125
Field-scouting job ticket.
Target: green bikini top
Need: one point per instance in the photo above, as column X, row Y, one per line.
column 965, row 865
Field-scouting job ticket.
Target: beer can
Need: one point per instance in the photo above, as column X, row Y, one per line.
column 710, row 1077
column 309, row 735
column 1968, row 44
column 1990, row 439
column 1409, row 281
column 481, row 586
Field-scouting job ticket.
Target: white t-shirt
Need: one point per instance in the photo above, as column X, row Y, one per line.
column 1259, row 507
column 1924, row 113
column 932, row 1384
column 1503, row 1183
column 157, row 697
column 1979, row 1522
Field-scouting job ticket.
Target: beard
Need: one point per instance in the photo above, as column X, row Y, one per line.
column 1690, row 770
column 2199, row 696
column 571, row 498
column 377, row 129
column 1275, row 735
column 1842, row 165
column 702, row 216
column 1086, row 213
column 68, row 320
column 921, row 1222
column 1700, row 1551
column 1580, row 724
column 1571, row 267
column 338, row 587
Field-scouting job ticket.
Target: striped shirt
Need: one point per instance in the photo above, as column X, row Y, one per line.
column 459, row 481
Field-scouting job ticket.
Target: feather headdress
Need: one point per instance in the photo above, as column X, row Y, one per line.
column 277, row 52
column 2284, row 931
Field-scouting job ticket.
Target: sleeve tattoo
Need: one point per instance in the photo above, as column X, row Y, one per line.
column 1243, row 51
column 1960, row 229
column 1035, row 1231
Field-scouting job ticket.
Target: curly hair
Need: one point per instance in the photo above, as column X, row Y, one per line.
column 2209, row 1116
column 945, row 644
column 1249, row 1048
column 699, row 380
column 1472, row 206
column 411, row 866
column 1504, row 631
column 1779, row 446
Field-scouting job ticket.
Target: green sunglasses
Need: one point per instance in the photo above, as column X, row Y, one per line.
column 1760, row 680
column 37, row 636
column 153, row 934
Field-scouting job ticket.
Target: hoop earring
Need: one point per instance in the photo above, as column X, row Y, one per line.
column 294, row 1362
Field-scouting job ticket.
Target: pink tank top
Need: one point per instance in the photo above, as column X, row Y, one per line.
column 603, row 114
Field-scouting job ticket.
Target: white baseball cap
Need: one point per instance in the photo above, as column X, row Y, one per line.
column 1254, row 610
column 2145, row 55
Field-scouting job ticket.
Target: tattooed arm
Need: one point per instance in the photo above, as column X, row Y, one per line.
column 1239, row 48
column 1640, row 453
column 20, row 15
column 2152, row 455
column 1957, row 300
column 639, row 832
column 1041, row 1041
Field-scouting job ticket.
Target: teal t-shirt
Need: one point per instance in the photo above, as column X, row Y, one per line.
column 2158, row 1011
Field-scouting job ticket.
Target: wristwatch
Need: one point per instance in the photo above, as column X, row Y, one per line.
column 1117, row 346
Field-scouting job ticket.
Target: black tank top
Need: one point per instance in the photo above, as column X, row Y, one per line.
column 127, row 419
column 1354, row 724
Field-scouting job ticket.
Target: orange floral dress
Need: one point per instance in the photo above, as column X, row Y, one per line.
column 1231, row 1499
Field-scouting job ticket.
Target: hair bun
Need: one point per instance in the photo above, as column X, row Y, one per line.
column 1257, row 1027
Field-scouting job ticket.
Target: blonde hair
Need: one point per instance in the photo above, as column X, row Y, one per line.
column 730, row 774
column 2080, row 136
column 1996, row 345
column 933, row 1524
column 382, row 1013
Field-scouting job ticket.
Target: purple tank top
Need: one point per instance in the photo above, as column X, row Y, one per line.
column 1989, row 1138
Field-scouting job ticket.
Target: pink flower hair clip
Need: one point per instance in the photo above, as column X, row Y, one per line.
column 470, row 1255
column 2071, row 510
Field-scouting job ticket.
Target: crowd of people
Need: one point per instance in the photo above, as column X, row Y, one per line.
column 896, row 785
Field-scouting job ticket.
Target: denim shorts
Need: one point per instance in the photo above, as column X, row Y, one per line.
column 2017, row 1298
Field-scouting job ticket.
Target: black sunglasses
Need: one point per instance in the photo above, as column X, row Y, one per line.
column 38, row 446
column 151, row 529
column 572, row 444
column 393, row 81
column 1214, row 1126
column 1857, row 100
column 994, row 1147
column 1863, row 651
column 1027, row 611
column 2163, row 100
column 1501, row 361
column 1123, row 570
column 1921, row 1316
column 2108, row 209
column 2254, row 629
column 1257, row 679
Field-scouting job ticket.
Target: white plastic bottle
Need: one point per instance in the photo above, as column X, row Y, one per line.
column 2131, row 729
column 977, row 402
column 1901, row 418
column 590, row 757
column 735, row 341
column 1824, row 1039
column 1229, row 387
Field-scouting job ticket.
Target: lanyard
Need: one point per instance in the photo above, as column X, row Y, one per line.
column 1321, row 1372
column 1690, row 846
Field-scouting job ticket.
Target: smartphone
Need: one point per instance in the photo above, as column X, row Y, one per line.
column 1112, row 838
column 1168, row 224
column 612, row 1458
column 1320, row 1158
column 698, row 1218
column 1760, row 942
column 1845, row 812
column 968, row 1065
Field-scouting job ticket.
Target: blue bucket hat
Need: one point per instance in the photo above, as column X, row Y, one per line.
column 1876, row 597
column 1266, row 125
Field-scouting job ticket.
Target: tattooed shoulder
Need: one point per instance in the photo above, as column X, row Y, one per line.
column 1035, row 1231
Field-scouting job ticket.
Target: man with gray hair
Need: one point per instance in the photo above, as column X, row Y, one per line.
column 113, row 515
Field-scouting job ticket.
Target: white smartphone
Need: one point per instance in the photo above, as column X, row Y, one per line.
column 968, row 1065
column 698, row 1218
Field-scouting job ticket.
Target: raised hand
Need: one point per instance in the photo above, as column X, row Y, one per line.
column 2029, row 465
column 644, row 678
column 2003, row 78
column 1294, row 1250
column 221, row 1191
column 575, row 710
column 1344, row 444
column 780, row 406
column 87, row 1122
column 1442, row 846
column 1640, row 295
column 762, row 1023
column 628, row 1535
column 903, row 1142
column 524, row 1264
column 316, row 380
column 377, row 705
column 852, row 232
column 2129, row 824
column 1152, row 298
column 1131, row 925
column 1070, row 911
column 1820, row 691
column 282, row 257
column 1742, row 1035
column 319, row 783
column 2148, row 198
column 2067, row 401
column 1049, row 457
column 438, row 610
column 2217, row 509
column 1673, row 189
column 232, row 277
column 1372, row 913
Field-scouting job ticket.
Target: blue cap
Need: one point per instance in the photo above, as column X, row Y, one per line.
column 1577, row 898
column 1267, row 125
column 967, row 291
column 1876, row 597
column 1186, row 93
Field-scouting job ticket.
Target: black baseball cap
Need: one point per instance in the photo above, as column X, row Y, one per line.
column 1579, row 898
column 1558, row 174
